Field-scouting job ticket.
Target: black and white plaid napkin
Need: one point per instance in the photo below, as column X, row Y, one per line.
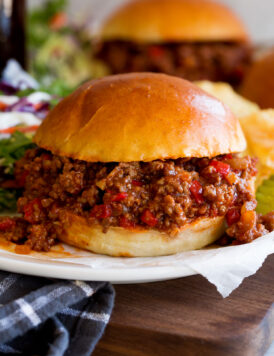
column 41, row 316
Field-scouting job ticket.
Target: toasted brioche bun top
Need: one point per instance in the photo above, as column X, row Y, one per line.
column 140, row 117
column 258, row 84
column 173, row 20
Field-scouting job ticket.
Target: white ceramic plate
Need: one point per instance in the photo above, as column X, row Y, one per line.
column 68, row 270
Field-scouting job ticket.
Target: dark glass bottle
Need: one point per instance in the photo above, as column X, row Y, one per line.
column 12, row 31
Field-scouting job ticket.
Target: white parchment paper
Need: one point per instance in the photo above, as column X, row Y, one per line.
column 225, row 267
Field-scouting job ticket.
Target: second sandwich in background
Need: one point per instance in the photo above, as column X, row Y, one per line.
column 193, row 39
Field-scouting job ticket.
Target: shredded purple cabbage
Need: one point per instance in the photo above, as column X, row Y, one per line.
column 42, row 114
column 18, row 106
column 7, row 89
column 23, row 105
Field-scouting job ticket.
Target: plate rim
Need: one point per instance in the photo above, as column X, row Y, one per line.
column 71, row 271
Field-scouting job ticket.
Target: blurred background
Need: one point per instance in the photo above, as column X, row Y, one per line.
column 60, row 51
column 257, row 15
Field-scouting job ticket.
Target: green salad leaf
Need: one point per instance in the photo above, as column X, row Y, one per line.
column 12, row 149
column 38, row 21
column 24, row 92
column 57, row 88
column 265, row 196
column 8, row 199
column 59, row 58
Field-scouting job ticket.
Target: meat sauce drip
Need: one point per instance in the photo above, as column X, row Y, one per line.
column 162, row 195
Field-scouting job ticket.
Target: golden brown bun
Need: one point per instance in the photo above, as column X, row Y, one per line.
column 133, row 243
column 258, row 84
column 140, row 117
column 173, row 20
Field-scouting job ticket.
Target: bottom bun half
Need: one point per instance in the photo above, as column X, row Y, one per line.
column 118, row 241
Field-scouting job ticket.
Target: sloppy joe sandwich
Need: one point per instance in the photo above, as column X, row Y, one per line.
column 193, row 39
column 137, row 164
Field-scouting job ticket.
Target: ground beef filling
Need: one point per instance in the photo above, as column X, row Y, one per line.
column 163, row 195
column 216, row 61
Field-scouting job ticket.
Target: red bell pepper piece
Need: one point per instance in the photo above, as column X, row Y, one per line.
column 232, row 216
column 126, row 223
column 119, row 197
column 197, row 191
column 101, row 211
column 137, row 183
column 6, row 224
column 29, row 209
column 148, row 218
column 221, row 167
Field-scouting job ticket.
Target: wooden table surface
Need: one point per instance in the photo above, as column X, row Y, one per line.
column 188, row 317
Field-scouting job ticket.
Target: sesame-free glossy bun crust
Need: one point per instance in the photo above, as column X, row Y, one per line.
column 140, row 117
column 173, row 20
column 118, row 241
